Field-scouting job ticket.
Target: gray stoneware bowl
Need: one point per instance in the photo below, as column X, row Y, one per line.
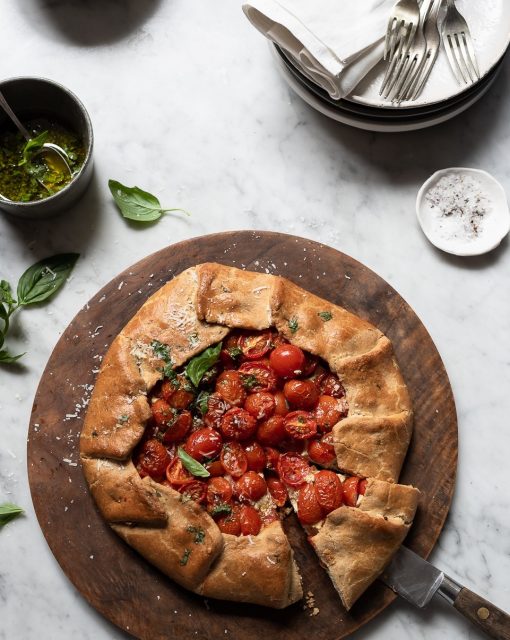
column 34, row 97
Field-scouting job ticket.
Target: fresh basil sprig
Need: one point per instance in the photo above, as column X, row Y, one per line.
column 32, row 146
column 8, row 512
column 136, row 204
column 192, row 465
column 37, row 284
column 199, row 365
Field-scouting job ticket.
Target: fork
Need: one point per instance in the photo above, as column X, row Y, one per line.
column 400, row 34
column 458, row 45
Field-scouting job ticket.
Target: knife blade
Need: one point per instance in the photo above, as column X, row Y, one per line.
column 417, row 581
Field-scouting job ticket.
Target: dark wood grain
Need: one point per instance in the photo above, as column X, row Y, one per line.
column 112, row 577
column 494, row 621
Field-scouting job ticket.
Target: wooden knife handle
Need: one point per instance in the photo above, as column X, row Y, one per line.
column 493, row 621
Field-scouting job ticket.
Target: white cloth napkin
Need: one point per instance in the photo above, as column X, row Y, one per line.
column 335, row 43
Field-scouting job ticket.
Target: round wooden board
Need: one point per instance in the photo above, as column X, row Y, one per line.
column 121, row 584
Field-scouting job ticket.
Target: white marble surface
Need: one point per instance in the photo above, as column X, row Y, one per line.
column 185, row 102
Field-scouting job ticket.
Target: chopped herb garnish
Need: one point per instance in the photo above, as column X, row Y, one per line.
column 198, row 532
column 249, row 381
column 293, row 325
column 192, row 465
column 221, row 509
column 122, row 419
column 199, row 365
column 185, row 557
column 169, row 373
column 202, row 401
column 325, row 315
column 161, row 351
column 235, row 353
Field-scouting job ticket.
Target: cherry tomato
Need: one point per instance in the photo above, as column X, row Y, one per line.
column 153, row 459
column 301, row 394
column 328, row 490
column 196, row 490
column 215, row 468
column 272, row 431
column 178, row 429
column 350, row 489
column 328, row 412
column 278, row 491
column 162, row 413
column 287, row 360
column 261, row 405
column 300, row 425
column 310, row 365
column 204, row 443
column 230, row 353
column 308, row 507
column 256, row 457
column 292, row 469
column 230, row 387
column 362, row 487
column 219, row 491
column 230, row 523
column 321, row 451
column 216, row 408
column 255, row 345
column 177, row 392
column 234, row 459
column 176, row 474
column 250, row 521
column 238, row 424
column 258, row 376
column 272, row 457
column 331, row 386
column 251, row 486
column 281, row 406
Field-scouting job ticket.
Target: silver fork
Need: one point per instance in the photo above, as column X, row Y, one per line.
column 458, row 45
column 424, row 64
column 402, row 26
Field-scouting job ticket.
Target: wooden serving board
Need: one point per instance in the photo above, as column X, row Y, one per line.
column 116, row 580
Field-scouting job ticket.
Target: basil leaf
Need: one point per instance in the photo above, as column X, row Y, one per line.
column 32, row 146
column 44, row 278
column 191, row 464
column 6, row 293
column 7, row 358
column 136, row 204
column 200, row 364
column 8, row 512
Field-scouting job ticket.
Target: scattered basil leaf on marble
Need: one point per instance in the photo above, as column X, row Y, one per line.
column 8, row 512
column 32, row 146
column 325, row 315
column 191, row 464
column 8, row 358
column 44, row 278
column 136, row 204
column 199, row 365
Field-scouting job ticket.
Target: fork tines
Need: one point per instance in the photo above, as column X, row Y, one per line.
column 458, row 45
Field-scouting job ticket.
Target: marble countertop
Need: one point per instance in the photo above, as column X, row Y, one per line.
column 186, row 102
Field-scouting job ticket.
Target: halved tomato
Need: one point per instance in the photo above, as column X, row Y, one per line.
column 255, row 345
column 153, row 459
column 234, row 459
column 258, row 376
column 292, row 469
column 321, row 451
column 350, row 489
column 238, row 424
column 300, row 425
column 196, row 490
column 176, row 474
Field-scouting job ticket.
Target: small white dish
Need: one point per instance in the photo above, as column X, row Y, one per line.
column 484, row 221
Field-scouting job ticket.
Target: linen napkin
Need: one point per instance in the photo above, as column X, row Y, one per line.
column 335, row 43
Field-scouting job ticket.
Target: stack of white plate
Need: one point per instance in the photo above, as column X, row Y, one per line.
column 442, row 98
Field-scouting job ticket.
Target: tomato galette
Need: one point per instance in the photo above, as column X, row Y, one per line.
column 232, row 398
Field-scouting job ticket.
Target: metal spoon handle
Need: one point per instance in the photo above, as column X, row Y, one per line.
column 5, row 106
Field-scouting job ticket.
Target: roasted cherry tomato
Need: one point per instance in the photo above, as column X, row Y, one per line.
column 153, row 459
column 310, row 365
column 258, row 376
column 178, row 428
column 272, row 431
column 162, row 412
column 281, row 405
column 300, row 425
column 234, row 459
column 238, row 424
column 261, row 405
column 215, row 468
column 255, row 345
column 293, row 469
column 350, row 489
column 301, row 394
column 272, row 457
column 250, row 521
column 230, row 523
column 321, row 451
column 362, row 486
column 287, row 360
column 251, row 486
column 219, row 491
column 176, row 474
column 216, row 408
column 177, row 392
column 308, row 507
column 278, row 491
column 328, row 490
column 204, row 443
column 196, row 490
column 230, row 387
column 328, row 412
column 331, row 386
column 256, row 457
column 230, row 353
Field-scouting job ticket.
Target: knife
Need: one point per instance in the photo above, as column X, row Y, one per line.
column 418, row 581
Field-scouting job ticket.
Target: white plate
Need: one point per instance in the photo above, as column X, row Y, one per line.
column 447, row 234
column 489, row 23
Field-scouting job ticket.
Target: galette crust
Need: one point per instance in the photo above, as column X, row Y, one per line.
column 193, row 311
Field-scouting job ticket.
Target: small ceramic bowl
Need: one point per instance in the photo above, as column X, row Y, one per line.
column 453, row 233
column 39, row 97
